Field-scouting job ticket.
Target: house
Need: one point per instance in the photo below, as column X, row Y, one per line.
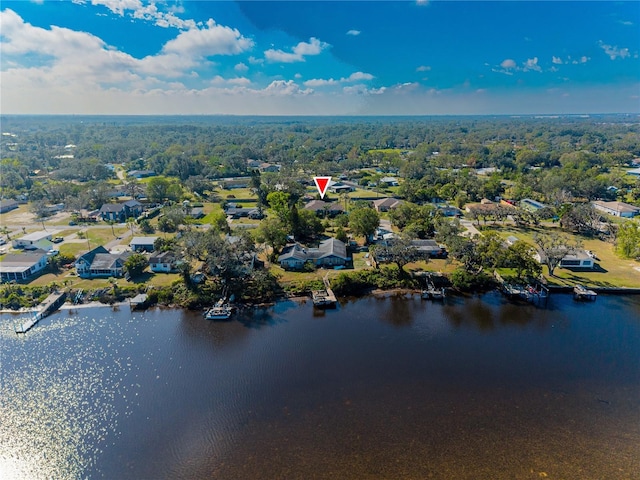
column 35, row 240
column 324, row 208
column 330, row 253
column 100, row 263
column 577, row 259
column 22, row 266
column 386, row 204
column 450, row 211
column 142, row 244
column 119, row 212
column 269, row 168
column 531, row 205
column 389, row 181
column 634, row 171
column 163, row 262
column 339, row 187
column 141, row 173
column 429, row 249
column 8, row 205
column 618, row 209
column 240, row 212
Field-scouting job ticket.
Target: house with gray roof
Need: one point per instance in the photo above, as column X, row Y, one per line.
column 34, row 240
column 322, row 208
column 386, row 204
column 330, row 253
column 100, row 263
column 163, row 262
column 119, row 212
column 22, row 266
column 142, row 244
column 8, row 205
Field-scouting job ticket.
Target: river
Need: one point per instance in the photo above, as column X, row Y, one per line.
column 381, row 388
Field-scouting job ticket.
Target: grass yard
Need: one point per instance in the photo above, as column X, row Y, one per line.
column 70, row 280
column 610, row 270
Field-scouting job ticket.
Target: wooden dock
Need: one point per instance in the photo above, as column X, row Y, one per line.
column 50, row 305
column 580, row 292
column 324, row 298
column 140, row 301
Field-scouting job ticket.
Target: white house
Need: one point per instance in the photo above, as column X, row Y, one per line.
column 618, row 209
column 22, row 266
column 578, row 259
column 164, row 262
column 35, row 240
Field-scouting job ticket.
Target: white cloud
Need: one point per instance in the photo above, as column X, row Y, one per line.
column 297, row 75
column 354, row 77
column 626, row 23
column 532, row 65
column 614, row 52
column 422, row 2
column 240, row 67
column 423, row 68
column 256, row 61
column 508, row 63
column 319, row 82
column 583, row 59
column 354, row 33
column 149, row 12
column 556, row 60
column 212, row 40
column 286, row 87
column 358, row 76
column 303, row 49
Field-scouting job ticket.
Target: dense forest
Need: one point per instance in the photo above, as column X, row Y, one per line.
column 548, row 158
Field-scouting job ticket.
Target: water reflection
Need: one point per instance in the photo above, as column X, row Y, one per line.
column 366, row 392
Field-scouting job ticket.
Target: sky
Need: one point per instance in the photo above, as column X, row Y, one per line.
column 319, row 58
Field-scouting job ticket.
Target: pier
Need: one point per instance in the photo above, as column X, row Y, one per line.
column 535, row 292
column 50, row 305
column 324, row 298
column 580, row 292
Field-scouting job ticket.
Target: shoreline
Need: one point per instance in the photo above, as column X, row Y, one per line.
column 377, row 292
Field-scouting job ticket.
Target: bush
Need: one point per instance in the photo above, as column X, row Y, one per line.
column 467, row 281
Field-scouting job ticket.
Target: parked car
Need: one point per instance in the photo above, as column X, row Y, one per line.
column 57, row 239
column 72, row 223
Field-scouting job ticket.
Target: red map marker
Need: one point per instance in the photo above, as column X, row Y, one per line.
column 321, row 184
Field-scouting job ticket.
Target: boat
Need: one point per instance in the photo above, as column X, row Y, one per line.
column 219, row 312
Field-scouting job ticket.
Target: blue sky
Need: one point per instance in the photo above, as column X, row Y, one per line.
column 319, row 58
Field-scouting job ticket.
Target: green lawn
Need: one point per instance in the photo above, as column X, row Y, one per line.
column 610, row 271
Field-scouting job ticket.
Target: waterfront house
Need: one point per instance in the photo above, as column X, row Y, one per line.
column 119, row 212
column 163, row 262
column 330, row 253
column 429, row 249
column 142, row 244
column 576, row 259
column 634, row 171
column 22, row 266
column 100, row 263
column 40, row 239
column 618, row 209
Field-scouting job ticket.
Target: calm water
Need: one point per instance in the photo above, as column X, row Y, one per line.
column 382, row 388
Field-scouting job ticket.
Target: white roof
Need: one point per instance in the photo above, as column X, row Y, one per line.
column 143, row 240
column 35, row 236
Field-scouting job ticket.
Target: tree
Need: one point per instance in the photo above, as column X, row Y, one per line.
column 341, row 235
column 628, row 239
column 399, row 250
column 279, row 203
column 364, row 221
column 519, row 256
column 554, row 247
column 272, row 232
column 135, row 264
